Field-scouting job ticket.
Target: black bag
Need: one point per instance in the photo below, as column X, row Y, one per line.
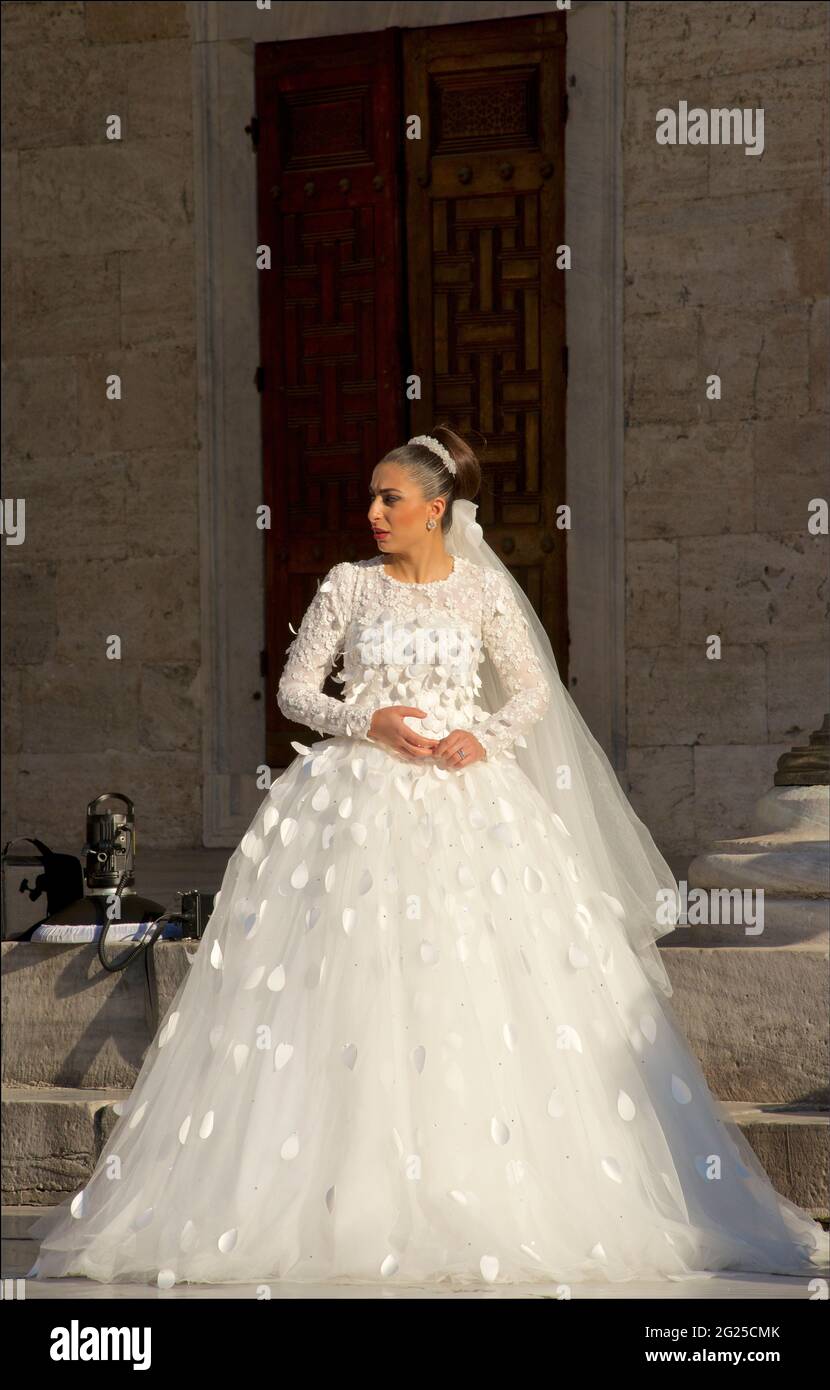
column 62, row 880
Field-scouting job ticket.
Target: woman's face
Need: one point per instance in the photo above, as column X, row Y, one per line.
column 398, row 510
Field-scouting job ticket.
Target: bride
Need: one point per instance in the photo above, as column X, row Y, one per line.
column 426, row 1037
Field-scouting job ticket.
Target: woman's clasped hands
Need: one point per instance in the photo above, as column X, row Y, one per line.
column 388, row 728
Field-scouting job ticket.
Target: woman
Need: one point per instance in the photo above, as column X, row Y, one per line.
column 422, row 1041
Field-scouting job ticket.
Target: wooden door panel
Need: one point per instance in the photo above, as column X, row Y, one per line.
column 485, row 212
column 329, row 204
column 473, row 302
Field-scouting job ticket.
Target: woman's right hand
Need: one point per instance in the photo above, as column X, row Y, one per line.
column 387, row 727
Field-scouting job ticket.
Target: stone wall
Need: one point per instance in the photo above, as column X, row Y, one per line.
column 726, row 271
column 98, row 279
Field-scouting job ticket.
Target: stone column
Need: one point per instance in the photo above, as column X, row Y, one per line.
column 788, row 856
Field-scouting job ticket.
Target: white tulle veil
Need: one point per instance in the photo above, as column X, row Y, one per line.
column 616, row 850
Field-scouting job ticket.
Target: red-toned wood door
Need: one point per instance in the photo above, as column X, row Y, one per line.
column 329, row 208
column 470, row 299
column 485, row 193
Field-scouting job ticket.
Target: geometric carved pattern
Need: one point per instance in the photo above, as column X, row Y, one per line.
column 327, row 126
column 488, row 109
column 485, row 214
column 487, row 324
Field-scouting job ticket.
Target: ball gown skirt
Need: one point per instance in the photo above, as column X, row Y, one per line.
column 414, row 1047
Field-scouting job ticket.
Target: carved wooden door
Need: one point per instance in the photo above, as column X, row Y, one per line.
column 329, row 205
column 473, row 302
column 485, row 213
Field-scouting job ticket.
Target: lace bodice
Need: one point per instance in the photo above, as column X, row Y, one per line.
column 418, row 645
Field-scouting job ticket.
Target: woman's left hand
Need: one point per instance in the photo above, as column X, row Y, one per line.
column 447, row 749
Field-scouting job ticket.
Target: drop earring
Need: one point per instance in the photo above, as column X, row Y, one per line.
column 431, row 524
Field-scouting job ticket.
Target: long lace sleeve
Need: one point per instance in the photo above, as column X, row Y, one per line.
column 311, row 656
column 506, row 636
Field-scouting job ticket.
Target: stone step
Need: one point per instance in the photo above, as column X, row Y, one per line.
column 52, row 1139
column 738, row 917
column 754, row 1016
column 791, row 1142
column 793, row 1145
column 70, row 1022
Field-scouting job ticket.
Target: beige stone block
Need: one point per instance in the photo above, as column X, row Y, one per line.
column 60, row 95
column 159, row 89
column 157, row 408
column 63, row 95
column 805, row 232
column 164, row 503
column 762, row 248
column 50, row 22
column 661, row 790
column 652, row 606
column 751, row 589
column 170, row 707
column 755, row 1017
column 40, row 407
column 111, row 21
column 52, row 795
column 793, row 1150
column 729, row 779
column 657, row 173
column 68, row 706
column 797, row 689
column 10, row 203
column 51, row 1150
column 151, row 604
column 73, row 1024
column 65, row 304
column 11, row 278
column 30, row 623
column 676, row 696
column 157, row 297
column 112, row 506
column 790, row 459
column 662, row 380
column 106, row 198
column 762, row 358
column 9, row 815
column 794, row 102
column 690, row 40
column 76, row 508
column 695, row 481
column 12, row 728
column 820, row 356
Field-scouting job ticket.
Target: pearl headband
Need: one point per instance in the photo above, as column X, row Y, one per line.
column 436, row 448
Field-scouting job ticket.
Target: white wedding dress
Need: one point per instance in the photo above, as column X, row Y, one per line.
column 401, row 1055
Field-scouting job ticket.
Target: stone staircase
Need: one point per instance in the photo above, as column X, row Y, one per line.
column 75, row 1037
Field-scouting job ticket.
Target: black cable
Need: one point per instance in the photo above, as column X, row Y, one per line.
column 146, row 945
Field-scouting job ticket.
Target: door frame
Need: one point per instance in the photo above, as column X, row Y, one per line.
column 230, row 462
